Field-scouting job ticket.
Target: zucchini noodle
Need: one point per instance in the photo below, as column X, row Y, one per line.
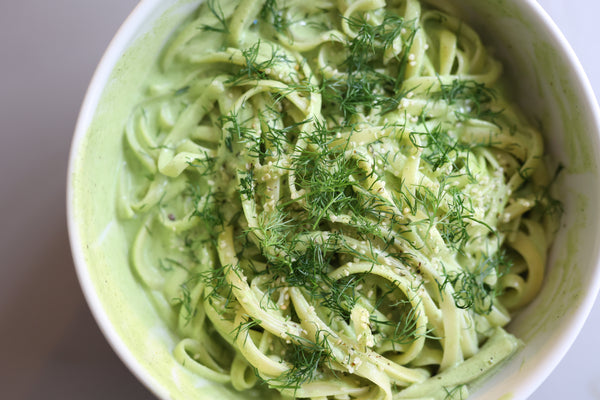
column 335, row 200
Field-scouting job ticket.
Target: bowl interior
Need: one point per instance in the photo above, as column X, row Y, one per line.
column 549, row 83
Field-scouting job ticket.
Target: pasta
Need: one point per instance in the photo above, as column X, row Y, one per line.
column 335, row 200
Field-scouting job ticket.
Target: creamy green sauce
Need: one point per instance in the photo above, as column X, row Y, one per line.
column 103, row 231
column 105, row 247
column 317, row 194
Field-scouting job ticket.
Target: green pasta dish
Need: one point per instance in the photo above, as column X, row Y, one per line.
column 335, row 199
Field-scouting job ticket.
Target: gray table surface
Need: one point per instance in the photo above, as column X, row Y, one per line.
column 50, row 347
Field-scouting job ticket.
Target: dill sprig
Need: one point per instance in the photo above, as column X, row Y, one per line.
column 275, row 237
column 245, row 327
column 168, row 264
column 233, row 131
column 474, row 290
column 275, row 139
column 453, row 226
column 308, row 268
column 206, row 208
column 275, row 16
column 459, row 392
column 187, row 308
column 205, row 164
column 403, row 328
column 256, row 68
column 440, row 148
column 221, row 289
column 306, row 357
column 185, row 301
column 364, row 86
column 302, row 262
column 247, row 184
column 328, row 184
column 326, row 176
column 545, row 201
column 214, row 7
column 477, row 97
column 341, row 295
column 448, row 210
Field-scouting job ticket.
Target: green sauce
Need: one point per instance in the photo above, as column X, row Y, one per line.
column 326, row 205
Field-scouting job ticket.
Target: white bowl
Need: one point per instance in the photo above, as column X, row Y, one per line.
column 551, row 84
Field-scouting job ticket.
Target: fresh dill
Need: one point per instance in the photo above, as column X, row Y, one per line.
column 545, row 201
column 447, row 210
column 168, row 264
column 321, row 176
column 459, row 392
column 221, row 26
column 247, row 184
column 244, row 328
column 274, row 15
column 235, row 131
column 256, row 65
column 440, row 148
column 474, row 290
column 206, row 208
column 221, row 289
column 477, row 99
column 341, row 296
column 204, row 164
column 363, row 86
column 188, row 309
column 326, row 176
column 403, row 328
column 306, row 357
